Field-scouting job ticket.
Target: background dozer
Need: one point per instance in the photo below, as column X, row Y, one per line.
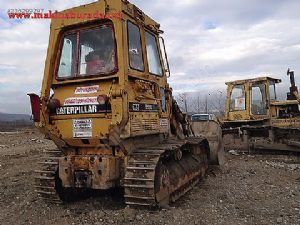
column 255, row 119
column 106, row 104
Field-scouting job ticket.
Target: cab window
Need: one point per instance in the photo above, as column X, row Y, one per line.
column 153, row 55
column 67, row 65
column 97, row 51
column 238, row 99
column 258, row 102
column 272, row 91
column 96, row 54
column 135, row 52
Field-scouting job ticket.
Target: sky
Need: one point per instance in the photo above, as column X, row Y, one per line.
column 208, row 42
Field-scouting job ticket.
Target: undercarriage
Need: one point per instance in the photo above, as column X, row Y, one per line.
column 154, row 176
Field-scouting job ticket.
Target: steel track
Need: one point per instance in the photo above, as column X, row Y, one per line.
column 45, row 178
column 140, row 182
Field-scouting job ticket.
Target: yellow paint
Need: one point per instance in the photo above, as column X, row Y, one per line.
column 124, row 87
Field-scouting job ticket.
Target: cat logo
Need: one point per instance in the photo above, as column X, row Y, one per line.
column 136, row 107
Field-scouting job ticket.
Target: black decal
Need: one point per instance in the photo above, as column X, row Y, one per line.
column 141, row 107
column 83, row 109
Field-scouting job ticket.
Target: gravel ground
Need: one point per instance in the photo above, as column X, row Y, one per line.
column 250, row 189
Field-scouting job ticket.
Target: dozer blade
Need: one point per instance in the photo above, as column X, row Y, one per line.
column 213, row 132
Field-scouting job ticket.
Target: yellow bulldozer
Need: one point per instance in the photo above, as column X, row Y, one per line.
column 256, row 120
column 106, row 104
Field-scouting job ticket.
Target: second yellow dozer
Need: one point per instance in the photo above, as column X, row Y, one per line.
column 256, row 120
column 106, row 104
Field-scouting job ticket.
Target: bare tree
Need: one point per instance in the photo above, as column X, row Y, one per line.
column 196, row 102
column 217, row 101
column 182, row 101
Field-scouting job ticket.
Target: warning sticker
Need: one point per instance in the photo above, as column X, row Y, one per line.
column 87, row 90
column 81, row 101
column 164, row 122
column 82, row 128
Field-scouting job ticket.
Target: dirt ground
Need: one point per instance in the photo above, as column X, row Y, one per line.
column 250, row 189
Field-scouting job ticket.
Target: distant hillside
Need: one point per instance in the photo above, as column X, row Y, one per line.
column 4, row 117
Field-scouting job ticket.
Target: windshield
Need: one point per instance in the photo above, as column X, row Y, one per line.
column 88, row 52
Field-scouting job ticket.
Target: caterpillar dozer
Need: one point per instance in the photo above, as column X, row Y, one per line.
column 255, row 120
column 106, row 104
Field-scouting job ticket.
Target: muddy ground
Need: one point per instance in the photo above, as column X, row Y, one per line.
column 250, row 189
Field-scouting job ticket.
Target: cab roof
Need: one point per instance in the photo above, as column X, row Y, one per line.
column 253, row 80
column 105, row 6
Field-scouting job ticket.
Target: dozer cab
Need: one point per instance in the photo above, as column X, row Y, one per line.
column 255, row 119
column 106, row 104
